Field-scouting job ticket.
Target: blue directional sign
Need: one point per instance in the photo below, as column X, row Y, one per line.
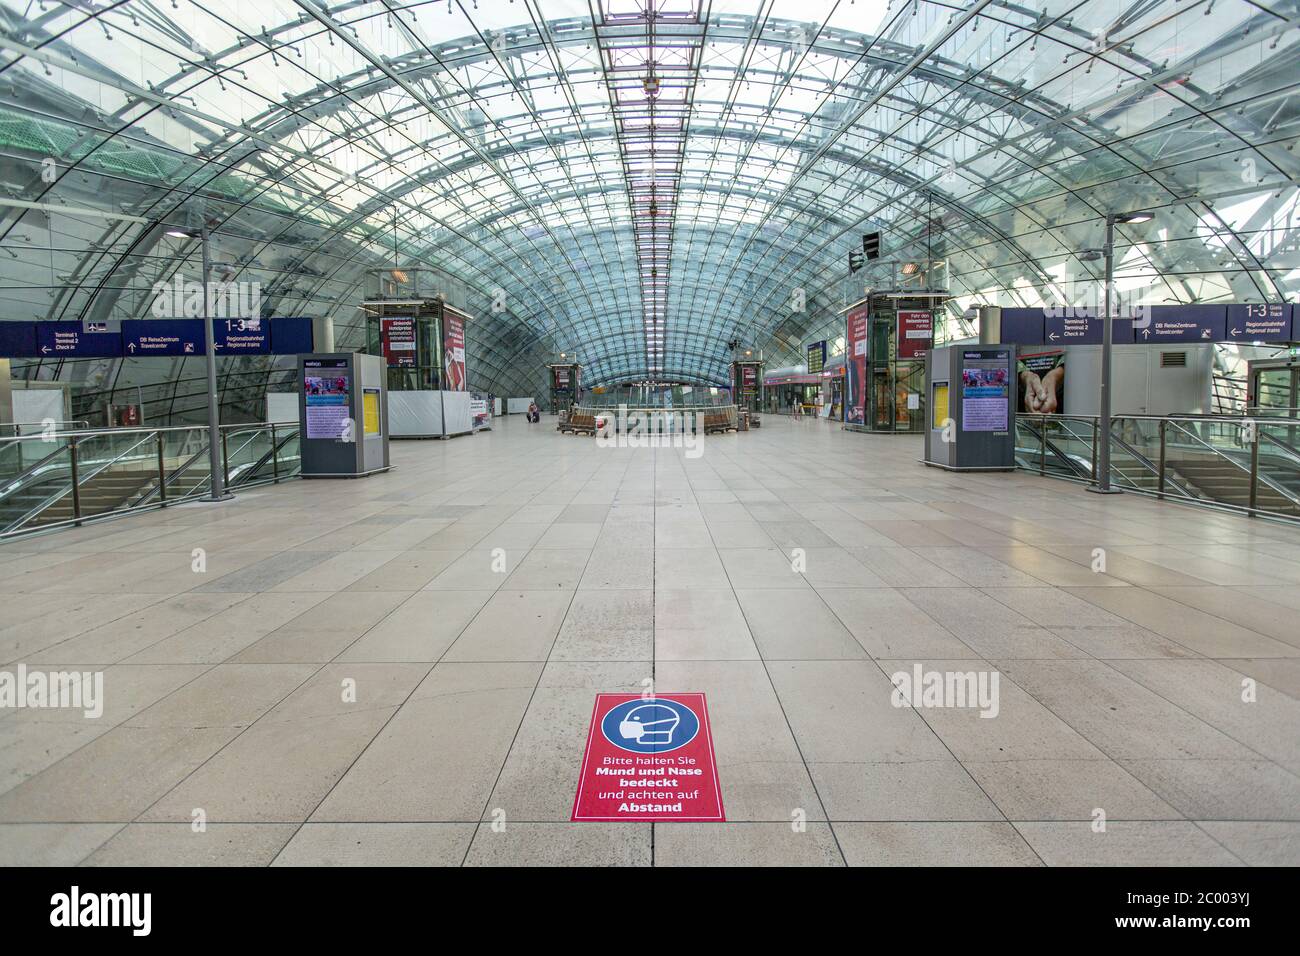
column 291, row 335
column 1261, row 322
column 18, row 340
column 242, row 336
column 1181, row 323
column 76, row 340
column 1022, row 326
column 1078, row 326
column 145, row 338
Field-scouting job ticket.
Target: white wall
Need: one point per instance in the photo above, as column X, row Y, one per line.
column 1140, row 385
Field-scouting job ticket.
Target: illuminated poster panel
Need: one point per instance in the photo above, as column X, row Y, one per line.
column 328, row 389
column 855, row 367
column 985, row 392
column 453, row 343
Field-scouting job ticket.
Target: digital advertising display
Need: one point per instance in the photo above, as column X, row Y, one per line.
column 327, row 388
column 985, row 392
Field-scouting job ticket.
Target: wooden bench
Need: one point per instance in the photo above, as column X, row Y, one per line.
column 580, row 424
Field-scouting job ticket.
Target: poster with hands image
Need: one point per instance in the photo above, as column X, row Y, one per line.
column 1041, row 383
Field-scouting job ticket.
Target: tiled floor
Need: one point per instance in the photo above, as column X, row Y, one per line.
column 481, row 594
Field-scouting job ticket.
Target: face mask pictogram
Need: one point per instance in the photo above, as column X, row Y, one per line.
column 648, row 724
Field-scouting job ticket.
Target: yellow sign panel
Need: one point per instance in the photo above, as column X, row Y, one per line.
column 370, row 409
column 940, row 405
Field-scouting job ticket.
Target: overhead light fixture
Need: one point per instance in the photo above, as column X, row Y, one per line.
column 177, row 232
column 1132, row 217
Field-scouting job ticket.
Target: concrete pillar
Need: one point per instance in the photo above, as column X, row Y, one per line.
column 990, row 324
column 322, row 329
column 6, row 395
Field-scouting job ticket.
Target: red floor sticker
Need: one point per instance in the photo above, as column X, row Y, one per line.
column 649, row 758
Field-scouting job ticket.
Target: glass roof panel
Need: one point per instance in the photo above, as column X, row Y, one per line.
column 648, row 180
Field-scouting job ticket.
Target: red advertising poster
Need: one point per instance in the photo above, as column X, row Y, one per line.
column 855, row 391
column 915, row 334
column 561, row 379
column 748, row 379
column 649, row 758
column 397, row 338
column 453, row 344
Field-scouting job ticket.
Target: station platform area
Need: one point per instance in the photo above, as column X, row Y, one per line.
column 402, row 669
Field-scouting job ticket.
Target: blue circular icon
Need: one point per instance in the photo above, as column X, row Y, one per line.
column 650, row 725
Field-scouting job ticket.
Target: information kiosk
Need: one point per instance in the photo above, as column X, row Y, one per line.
column 972, row 407
column 342, row 415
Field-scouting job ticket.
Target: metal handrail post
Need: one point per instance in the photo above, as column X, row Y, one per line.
column 162, row 472
column 1094, row 451
column 1042, row 446
column 1254, row 472
column 225, row 461
column 1160, row 489
column 76, row 492
column 275, row 455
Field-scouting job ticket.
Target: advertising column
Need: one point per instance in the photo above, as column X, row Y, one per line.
column 453, row 375
column 855, row 367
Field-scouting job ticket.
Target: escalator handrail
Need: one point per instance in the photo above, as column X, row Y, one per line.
column 81, row 480
column 1285, row 446
column 1260, row 476
column 30, row 474
column 170, row 478
column 1051, row 445
column 1142, row 459
column 256, row 429
column 276, row 446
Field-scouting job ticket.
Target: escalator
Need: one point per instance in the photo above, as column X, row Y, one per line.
column 1204, row 460
column 94, row 474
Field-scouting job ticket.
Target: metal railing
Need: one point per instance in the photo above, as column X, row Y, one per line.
column 1241, row 464
column 91, row 474
column 49, row 425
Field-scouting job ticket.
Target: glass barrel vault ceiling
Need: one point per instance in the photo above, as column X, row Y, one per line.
column 639, row 181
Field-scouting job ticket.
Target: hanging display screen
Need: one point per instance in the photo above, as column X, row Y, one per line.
column 816, row 357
